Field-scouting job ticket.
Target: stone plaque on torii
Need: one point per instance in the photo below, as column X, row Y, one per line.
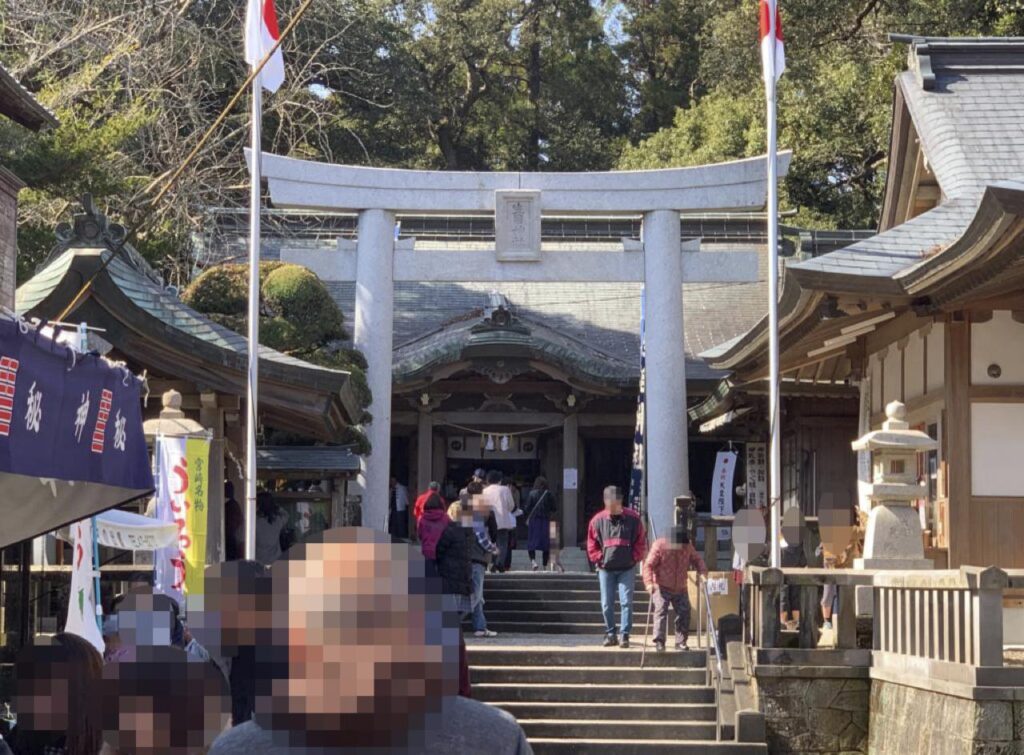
column 660, row 260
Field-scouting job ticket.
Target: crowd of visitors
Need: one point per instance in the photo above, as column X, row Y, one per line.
column 345, row 644
column 350, row 640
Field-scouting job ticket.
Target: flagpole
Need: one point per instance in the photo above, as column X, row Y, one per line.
column 254, row 323
column 775, row 476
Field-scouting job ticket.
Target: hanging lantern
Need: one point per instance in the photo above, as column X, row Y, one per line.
column 490, row 443
column 504, row 442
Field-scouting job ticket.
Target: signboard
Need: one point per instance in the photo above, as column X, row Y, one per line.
column 718, row 585
column 757, row 475
column 182, row 497
column 722, row 488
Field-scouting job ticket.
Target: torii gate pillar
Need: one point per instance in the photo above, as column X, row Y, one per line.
column 668, row 468
column 373, row 334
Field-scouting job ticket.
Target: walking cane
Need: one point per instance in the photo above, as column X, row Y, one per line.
column 647, row 628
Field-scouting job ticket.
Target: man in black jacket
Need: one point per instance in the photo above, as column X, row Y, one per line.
column 454, row 567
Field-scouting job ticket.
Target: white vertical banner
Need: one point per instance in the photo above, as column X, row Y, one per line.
column 169, row 563
column 757, row 476
column 82, row 601
column 722, row 489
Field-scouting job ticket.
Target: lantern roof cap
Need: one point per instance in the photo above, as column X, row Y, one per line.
column 895, row 434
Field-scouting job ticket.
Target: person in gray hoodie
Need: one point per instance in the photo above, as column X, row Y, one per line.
column 367, row 662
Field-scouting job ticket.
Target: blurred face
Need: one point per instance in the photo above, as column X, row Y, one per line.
column 145, row 626
column 176, row 708
column 234, row 613
column 42, row 704
column 480, row 507
column 613, row 504
column 365, row 658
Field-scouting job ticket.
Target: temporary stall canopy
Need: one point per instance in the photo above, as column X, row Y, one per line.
column 71, row 442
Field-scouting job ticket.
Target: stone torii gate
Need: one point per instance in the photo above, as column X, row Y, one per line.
column 517, row 200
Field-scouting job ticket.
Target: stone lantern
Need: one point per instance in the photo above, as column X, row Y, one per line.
column 172, row 420
column 893, row 539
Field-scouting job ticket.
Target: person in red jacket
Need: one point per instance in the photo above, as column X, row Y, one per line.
column 616, row 543
column 665, row 573
column 431, row 526
column 433, row 488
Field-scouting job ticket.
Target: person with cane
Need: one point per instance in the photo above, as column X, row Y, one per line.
column 665, row 573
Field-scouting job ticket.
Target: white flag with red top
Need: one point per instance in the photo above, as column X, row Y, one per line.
column 773, row 53
column 261, row 34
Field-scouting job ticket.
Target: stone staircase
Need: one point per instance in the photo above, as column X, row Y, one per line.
column 570, row 695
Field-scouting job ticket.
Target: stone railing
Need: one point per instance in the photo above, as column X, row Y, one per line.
column 763, row 585
column 943, row 626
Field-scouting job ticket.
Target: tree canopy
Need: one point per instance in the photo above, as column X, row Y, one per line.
column 297, row 317
column 453, row 84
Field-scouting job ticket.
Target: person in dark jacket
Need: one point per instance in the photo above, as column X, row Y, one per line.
column 475, row 514
column 451, row 555
column 793, row 555
column 540, row 505
column 616, row 543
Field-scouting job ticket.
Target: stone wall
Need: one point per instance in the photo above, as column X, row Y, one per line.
column 815, row 713
column 908, row 720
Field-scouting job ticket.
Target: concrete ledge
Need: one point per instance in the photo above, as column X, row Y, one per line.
column 813, row 657
column 953, row 689
column 811, row 672
column 912, row 669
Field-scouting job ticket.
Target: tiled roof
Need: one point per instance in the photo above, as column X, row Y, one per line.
column 965, row 99
column 886, row 254
column 604, row 316
column 969, row 115
column 153, row 300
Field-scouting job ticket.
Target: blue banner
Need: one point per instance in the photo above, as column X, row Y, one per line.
column 71, row 439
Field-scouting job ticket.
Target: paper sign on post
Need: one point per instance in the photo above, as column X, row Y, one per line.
column 570, row 478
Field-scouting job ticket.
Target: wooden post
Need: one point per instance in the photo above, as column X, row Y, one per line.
column 958, row 436
column 846, row 624
column 768, row 608
column 711, row 546
column 809, row 633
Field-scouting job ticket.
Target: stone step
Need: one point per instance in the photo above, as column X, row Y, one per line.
column 547, row 581
column 498, row 612
column 557, row 746
column 591, row 711
column 568, row 602
column 528, row 598
column 609, row 658
column 595, row 628
column 616, row 727
column 590, row 607
column 509, row 691
column 587, row 675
